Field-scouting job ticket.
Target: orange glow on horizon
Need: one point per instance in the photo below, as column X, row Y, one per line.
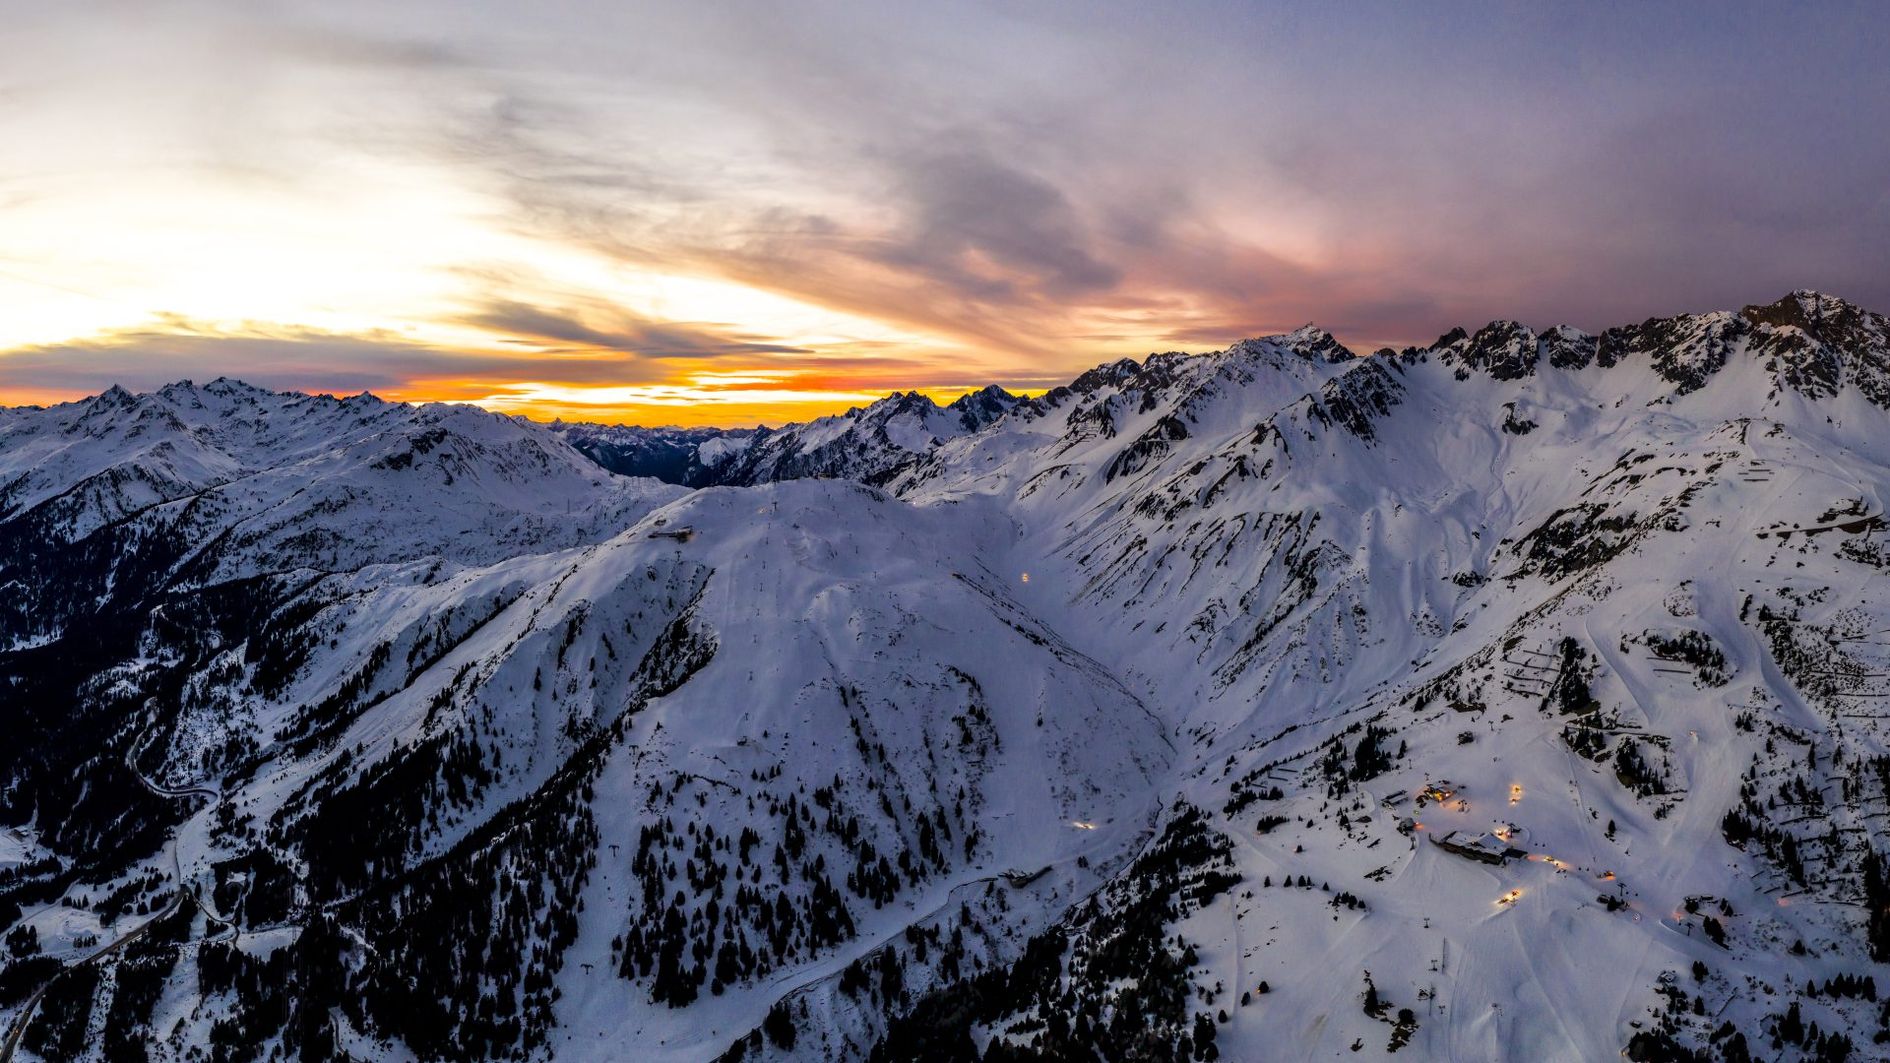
column 506, row 372
column 652, row 406
column 716, row 410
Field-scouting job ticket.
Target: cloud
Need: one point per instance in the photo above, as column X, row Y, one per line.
column 313, row 359
column 303, row 360
column 988, row 231
column 622, row 332
column 1004, row 239
column 1016, row 192
column 597, row 377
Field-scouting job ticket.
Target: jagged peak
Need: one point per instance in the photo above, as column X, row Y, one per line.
column 1686, row 349
column 1504, row 349
column 1809, row 298
column 1104, row 375
column 1504, row 326
column 894, row 402
column 228, row 385
column 1566, row 346
column 975, row 409
column 1805, row 309
column 222, row 386
column 992, row 391
column 1451, row 339
column 1313, row 343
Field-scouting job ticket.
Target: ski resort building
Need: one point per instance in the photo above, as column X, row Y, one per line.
column 1480, row 847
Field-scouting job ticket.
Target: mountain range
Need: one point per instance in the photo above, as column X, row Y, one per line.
column 1521, row 696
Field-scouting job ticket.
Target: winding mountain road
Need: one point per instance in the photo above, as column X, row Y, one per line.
column 184, row 895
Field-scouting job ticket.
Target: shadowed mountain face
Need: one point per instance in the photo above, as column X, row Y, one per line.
column 1520, row 696
column 672, row 455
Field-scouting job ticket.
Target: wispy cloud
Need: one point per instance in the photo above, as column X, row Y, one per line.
column 568, row 330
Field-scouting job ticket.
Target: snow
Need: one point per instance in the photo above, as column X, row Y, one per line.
column 1237, row 562
column 14, row 848
column 715, row 451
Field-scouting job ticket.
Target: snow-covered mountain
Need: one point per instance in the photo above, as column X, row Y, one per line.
column 866, row 443
column 1515, row 697
column 672, row 455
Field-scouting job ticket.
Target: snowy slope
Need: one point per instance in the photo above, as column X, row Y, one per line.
column 1514, row 697
column 1445, row 544
column 125, row 494
column 867, row 443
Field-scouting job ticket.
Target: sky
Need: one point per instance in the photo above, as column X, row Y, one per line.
column 736, row 213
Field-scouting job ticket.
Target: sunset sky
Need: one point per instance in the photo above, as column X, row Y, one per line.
column 727, row 213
